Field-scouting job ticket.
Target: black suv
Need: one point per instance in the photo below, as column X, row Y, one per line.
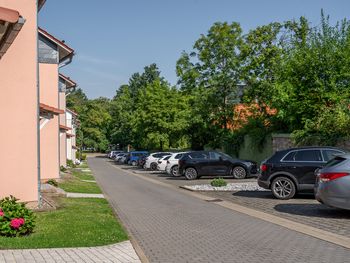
column 290, row 171
column 196, row 164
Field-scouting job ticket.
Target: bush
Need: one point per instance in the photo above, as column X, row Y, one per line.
column 15, row 219
column 71, row 164
column 63, row 169
column 52, row 182
column 218, row 182
column 83, row 156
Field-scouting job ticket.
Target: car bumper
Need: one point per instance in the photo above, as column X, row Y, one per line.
column 334, row 194
column 263, row 184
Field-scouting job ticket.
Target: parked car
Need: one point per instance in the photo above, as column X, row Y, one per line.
column 193, row 165
column 172, row 166
column 118, row 156
column 134, row 157
column 332, row 186
column 152, row 159
column 112, row 154
column 126, row 158
column 293, row 170
column 142, row 160
column 161, row 164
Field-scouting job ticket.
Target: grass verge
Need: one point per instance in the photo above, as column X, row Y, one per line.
column 74, row 184
column 80, row 222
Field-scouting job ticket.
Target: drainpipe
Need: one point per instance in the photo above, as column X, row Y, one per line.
column 38, row 110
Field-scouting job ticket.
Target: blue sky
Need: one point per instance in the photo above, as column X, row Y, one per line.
column 116, row 38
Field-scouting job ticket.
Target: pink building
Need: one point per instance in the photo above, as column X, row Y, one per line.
column 65, row 85
column 53, row 54
column 19, row 169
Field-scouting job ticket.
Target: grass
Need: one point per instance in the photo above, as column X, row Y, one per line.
column 80, row 222
column 74, row 184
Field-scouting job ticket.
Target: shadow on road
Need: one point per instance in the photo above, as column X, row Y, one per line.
column 313, row 210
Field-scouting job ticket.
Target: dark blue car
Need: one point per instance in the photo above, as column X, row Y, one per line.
column 135, row 156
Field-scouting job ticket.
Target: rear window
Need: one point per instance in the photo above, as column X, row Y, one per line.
column 166, row 158
column 289, row 156
column 335, row 161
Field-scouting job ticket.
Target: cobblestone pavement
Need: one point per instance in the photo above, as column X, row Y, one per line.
column 303, row 209
column 171, row 226
column 119, row 253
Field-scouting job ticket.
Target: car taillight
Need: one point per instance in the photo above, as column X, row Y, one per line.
column 263, row 167
column 326, row 177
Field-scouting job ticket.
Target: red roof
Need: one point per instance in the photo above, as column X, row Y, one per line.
column 67, row 79
column 63, row 127
column 70, row 135
column 47, row 108
column 74, row 113
column 9, row 15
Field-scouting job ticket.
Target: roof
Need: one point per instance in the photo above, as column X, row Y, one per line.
column 9, row 15
column 63, row 127
column 50, row 109
column 40, row 4
column 69, row 83
column 70, row 135
column 64, row 50
column 73, row 112
column 75, row 147
column 11, row 24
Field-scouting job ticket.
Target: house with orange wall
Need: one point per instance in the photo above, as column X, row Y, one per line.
column 52, row 55
column 19, row 138
column 65, row 85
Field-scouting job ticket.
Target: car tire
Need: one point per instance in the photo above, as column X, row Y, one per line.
column 133, row 163
column 153, row 166
column 283, row 188
column 174, row 171
column 239, row 172
column 191, row 173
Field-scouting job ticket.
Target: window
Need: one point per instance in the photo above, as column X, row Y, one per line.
column 198, row 155
column 308, row 156
column 330, row 154
column 167, row 158
column 335, row 161
column 290, row 157
column 214, row 156
column 178, row 156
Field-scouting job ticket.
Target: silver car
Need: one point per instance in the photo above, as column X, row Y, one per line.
column 332, row 186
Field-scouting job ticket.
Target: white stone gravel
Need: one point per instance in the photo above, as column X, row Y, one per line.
column 251, row 186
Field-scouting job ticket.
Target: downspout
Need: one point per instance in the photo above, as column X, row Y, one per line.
column 38, row 108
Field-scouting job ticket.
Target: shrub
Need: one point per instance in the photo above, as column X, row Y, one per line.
column 63, row 169
column 71, row 164
column 218, row 182
column 83, row 156
column 15, row 219
column 52, row 182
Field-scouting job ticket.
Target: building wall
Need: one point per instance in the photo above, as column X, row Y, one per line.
column 63, row 137
column 18, row 107
column 69, row 140
column 49, row 134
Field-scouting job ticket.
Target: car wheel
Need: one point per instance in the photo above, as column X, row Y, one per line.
column 239, row 172
column 283, row 188
column 133, row 163
column 174, row 170
column 191, row 173
column 153, row 166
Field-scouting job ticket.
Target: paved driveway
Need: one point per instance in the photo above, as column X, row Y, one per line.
column 303, row 209
column 171, row 226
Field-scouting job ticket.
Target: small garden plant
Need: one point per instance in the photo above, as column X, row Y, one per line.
column 218, row 182
column 63, row 169
column 71, row 164
column 52, row 182
column 15, row 219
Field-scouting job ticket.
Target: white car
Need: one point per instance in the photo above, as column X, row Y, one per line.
column 173, row 163
column 152, row 159
column 162, row 162
column 118, row 156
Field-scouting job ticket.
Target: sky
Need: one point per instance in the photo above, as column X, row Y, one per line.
column 113, row 39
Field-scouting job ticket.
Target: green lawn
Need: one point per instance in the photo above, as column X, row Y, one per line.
column 80, row 222
column 74, row 183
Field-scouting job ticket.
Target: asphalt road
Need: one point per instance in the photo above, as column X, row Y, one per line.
column 171, row 226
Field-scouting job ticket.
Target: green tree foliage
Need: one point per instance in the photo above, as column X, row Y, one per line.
column 212, row 74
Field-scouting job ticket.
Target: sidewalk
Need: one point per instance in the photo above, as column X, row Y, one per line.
column 121, row 252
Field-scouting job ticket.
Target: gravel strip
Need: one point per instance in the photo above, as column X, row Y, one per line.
column 229, row 187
